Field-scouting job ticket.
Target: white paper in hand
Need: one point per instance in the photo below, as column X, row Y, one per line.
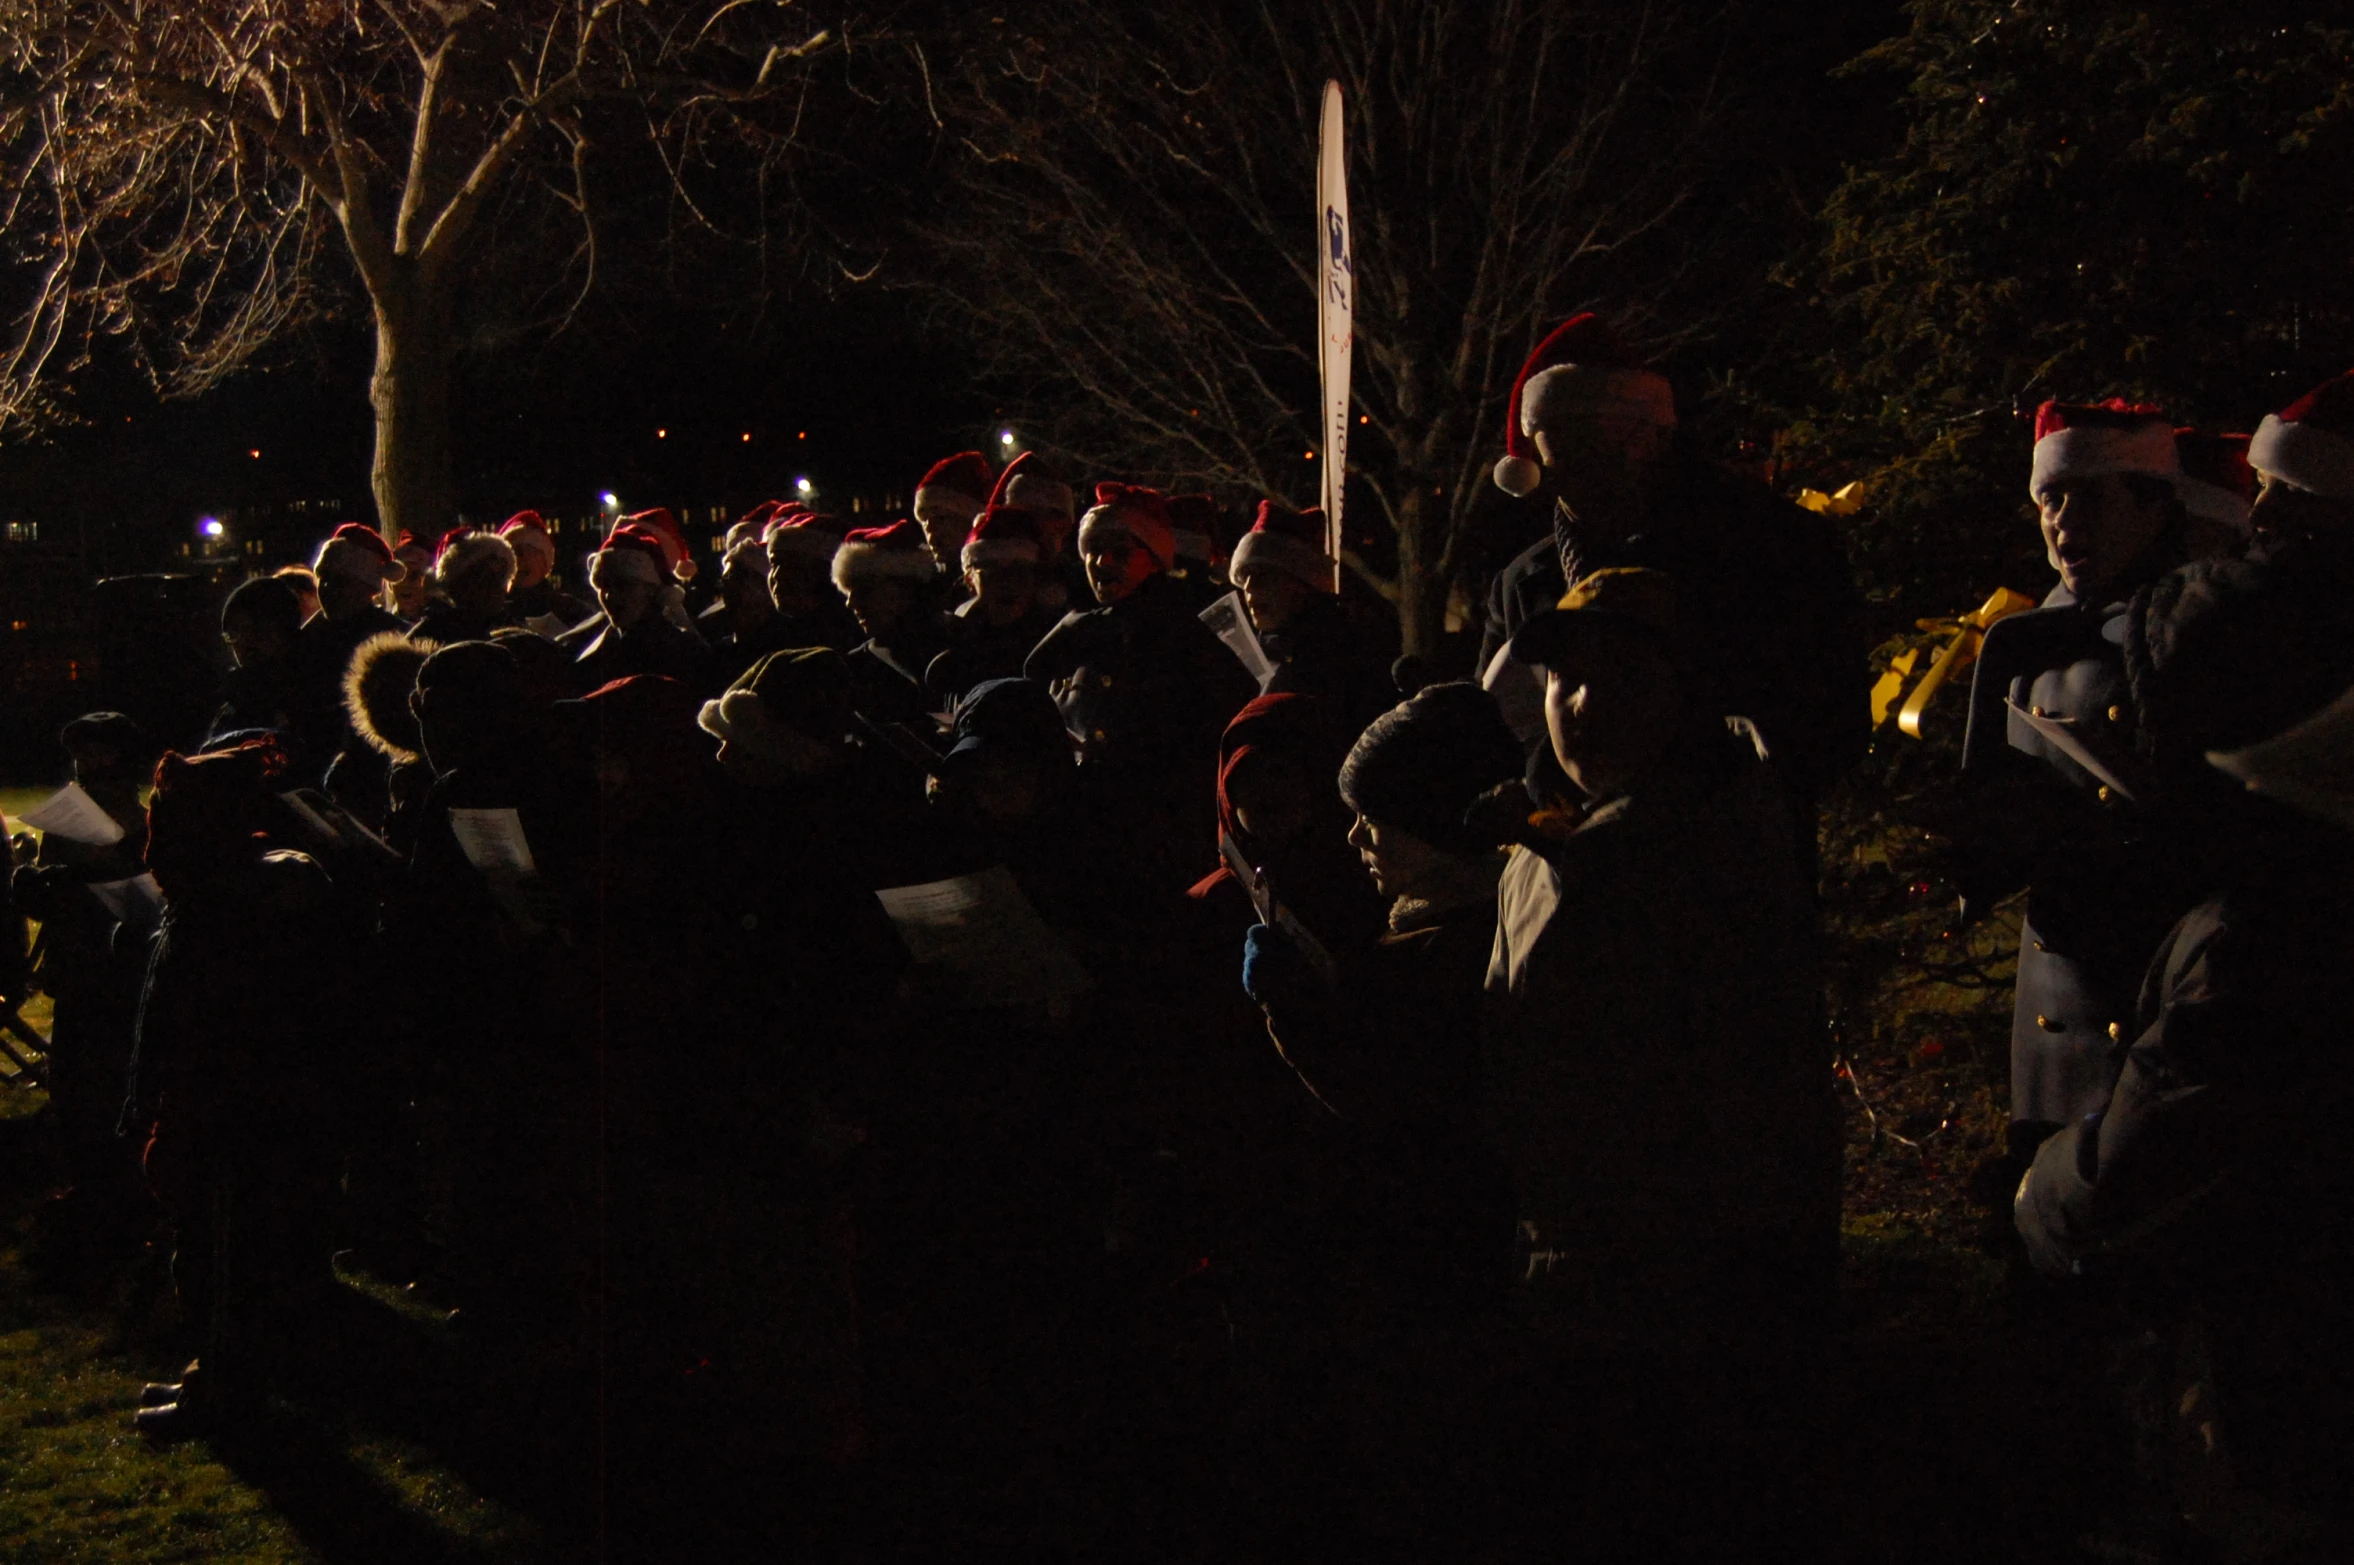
column 137, row 901
column 1232, row 623
column 492, row 841
column 548, row 625
column 982, row 929
column 74, row 815
column 1520, row 694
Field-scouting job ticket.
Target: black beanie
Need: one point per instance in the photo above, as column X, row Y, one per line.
column 1423, row 763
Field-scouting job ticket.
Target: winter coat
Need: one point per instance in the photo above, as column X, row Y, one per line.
column 887, row 678
column 446, row 623
column 2211, row 1180
column 258, row 696
column 322, row 653
column 1657, row 1074
column 2084, row 760
column 602, row 654
column 978, row 651
column 544, row 598
column 1764, row 600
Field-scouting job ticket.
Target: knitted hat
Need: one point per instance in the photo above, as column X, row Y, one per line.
column 1423, row 763
column 2089, row 440
column 633, row 553
column 1582, row 369
column 1011, row 716
column 956, row 486
column 1005, row 535
column 806, row 534
column 805, row 689
column 358, row 553
column 2310, row 443
column 2216, row 481
column 464, row 553
column 1198, row 524
column 1623, row 595
column 1285, row 540
column 1141, row 513
column 376, row 690
column 884, row 553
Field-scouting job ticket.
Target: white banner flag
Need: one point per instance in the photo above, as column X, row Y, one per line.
column 1335, row 311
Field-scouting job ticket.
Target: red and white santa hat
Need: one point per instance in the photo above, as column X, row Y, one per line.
column 785, row 511
column 2216, row 481
column 2092, row 439
column 1026, row 483
column 1283, row 539
column 894, row 553
column 360, row 553
column 1141, row 513
column 527, row 530
column 466, row 549
column 808, row 534
column 1005, row 535
column 632, row 552
column 663, row 526
column 1582, row 370
column 956, row 486
column 2310, row 443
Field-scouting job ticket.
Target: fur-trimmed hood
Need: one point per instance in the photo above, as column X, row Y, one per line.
column 376, row 690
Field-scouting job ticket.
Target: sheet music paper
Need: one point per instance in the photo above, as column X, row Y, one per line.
column 985, row 931
column 137, row 901
column 2310, row 766
column 1231, row 622
column 74, row 815
column 1519, row 691
column 493, row 841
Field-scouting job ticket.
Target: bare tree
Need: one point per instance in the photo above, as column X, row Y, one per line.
column 199, row 177
column 1130, row 223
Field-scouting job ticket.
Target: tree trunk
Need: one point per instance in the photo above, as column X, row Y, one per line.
column 413, row 477
column 1423, row 528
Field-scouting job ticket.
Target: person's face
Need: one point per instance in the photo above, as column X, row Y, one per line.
column 880, row 604
column 342, row 596
column 745, row 591
column 482, row 590
column 2283, row 511
column 1006, row 591
column 533, row 560
column 797, row 584
column 626, row 600
column 1270, row 799
column 1612, row 706
column 945, row 524
column 408, row 594
column 2095, row 528
column 1400, row 863
column 1602, row 465
column 1116, row 563
column 306, row 593
column 253, row 641
column 1274, row 597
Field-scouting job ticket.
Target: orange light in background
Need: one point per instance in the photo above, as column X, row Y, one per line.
column 804, row 435
column 255, row 454
column 747, row 435
column 661, row 434
column 1310, row 456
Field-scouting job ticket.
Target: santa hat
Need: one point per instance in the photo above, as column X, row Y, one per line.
column 955, row 485
column 1141, row 513
column 464, row 552
column 2090, row 440
column 1196, row 520
column 360, row 553
column 803, row 689
column 758, row 518
column 806, row 533
column 896, row 552
column 1004, row 535
column 665, row 529
column 631, row 552
column 1582, row 369
column 2310, row 443
column 410, row 544
column 1026, row 483
column 786, row 510
column 1284, row 540
column 527, row 529
column 2216, row 481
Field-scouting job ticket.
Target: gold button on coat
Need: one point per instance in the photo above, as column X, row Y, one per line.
column 2116, row 714
column 2116, row 1032
column 2106, row 794
column 2047, row 1024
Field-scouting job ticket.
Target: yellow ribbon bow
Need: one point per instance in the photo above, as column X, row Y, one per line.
column 1969, row 635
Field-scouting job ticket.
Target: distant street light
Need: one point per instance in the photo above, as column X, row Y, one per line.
column 210, row 527
column 803, row 485
column 609, row 500
column 1005, row 437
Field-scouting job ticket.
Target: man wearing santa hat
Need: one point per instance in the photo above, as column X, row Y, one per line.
column 632, row 634
column 991, row 633
column 801, row 547
column 886, row 575
column 2064, row 788
column 1776, row 620
column 1287, row 585
column 536, row 594
column 354, row 566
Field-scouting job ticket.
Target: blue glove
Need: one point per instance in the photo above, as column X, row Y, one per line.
column 1273, row 971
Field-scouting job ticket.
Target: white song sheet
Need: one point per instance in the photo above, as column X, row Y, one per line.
column 983, row 930
column 493, row 841
column 1231, row 623
column 74, row 815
